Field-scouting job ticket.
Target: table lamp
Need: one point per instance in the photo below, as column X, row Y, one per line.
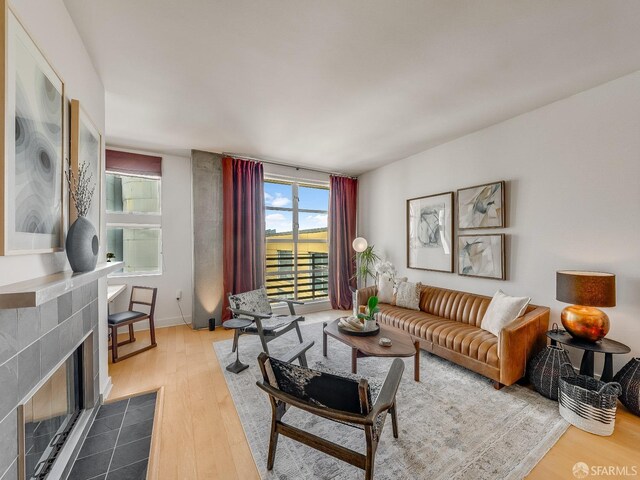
column 586, row 290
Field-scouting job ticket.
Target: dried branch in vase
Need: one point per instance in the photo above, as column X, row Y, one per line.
column 81, row 188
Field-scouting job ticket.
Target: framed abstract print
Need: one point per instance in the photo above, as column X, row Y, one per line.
column 481, row 256
column 481, row 206
column 86, row 147
column 31, row 165
column 430, row 232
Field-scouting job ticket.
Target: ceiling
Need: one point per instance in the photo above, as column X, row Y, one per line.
column 342, row 85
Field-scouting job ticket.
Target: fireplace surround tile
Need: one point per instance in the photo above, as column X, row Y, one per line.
column 49, row 350
column 28, row 326
column 48, row 316
column 65, row 307
column 12, row 472
column 9, row 382
column 8, row 444
column 29, row 373
column 8, row 334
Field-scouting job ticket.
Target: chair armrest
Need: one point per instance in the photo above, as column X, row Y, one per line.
column 387, row 396
column 363, row 294
column 521, row 340
column 324, row 412
column 290, row 303
column 254, row 315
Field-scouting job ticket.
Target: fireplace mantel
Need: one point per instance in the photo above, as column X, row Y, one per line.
column 37, row 291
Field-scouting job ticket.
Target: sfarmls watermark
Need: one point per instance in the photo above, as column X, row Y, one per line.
column 582, row 470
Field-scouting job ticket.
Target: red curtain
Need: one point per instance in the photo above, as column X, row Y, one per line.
column 342, row 231
column 242, row 227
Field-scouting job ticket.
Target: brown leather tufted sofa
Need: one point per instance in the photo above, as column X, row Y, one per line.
column 448, row 325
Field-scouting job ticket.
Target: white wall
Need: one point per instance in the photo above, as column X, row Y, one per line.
column 52, row 29
column 573, row 193
column 177, row 247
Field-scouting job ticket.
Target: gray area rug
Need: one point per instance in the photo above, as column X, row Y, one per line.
column 452, row 425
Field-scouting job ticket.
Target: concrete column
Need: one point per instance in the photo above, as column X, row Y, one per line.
column 206, row 171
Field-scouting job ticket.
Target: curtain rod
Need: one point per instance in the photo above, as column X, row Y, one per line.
column 280, row 164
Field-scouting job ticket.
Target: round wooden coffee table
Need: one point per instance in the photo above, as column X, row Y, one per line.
column 402, row 345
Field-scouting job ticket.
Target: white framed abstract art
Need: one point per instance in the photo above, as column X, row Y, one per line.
column 86, row 147
column 31, row 166
column 481, row 256
column 481, row 206
column 430, row 232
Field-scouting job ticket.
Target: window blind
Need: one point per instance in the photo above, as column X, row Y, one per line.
column 133, row 163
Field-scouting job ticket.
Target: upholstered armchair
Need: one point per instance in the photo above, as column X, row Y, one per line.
column 344, row 398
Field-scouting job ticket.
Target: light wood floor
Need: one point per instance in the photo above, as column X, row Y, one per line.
column 201, row 434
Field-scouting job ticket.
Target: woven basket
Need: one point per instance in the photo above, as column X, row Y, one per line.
column 544, row 370
column 629, row 379
column 587, row 403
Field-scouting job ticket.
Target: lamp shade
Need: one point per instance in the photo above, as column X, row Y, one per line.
column 360, row 244
column 590, row 289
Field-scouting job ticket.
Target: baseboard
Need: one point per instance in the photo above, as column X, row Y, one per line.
column 163, row 323
column 106, row 390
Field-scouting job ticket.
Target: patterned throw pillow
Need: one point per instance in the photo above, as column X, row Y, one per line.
column 408, row 295
column 255, row 301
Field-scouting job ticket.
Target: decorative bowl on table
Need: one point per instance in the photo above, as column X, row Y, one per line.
column 353, row 326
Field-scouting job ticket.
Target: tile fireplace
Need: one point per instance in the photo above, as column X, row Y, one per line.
column 49, row 382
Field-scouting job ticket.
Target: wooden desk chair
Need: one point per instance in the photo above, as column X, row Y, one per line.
column 146, row 297
column 343, row 398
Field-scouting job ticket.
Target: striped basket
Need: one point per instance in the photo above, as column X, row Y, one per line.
column 587, row 403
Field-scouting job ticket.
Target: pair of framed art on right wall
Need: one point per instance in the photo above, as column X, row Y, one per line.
column 430, row 227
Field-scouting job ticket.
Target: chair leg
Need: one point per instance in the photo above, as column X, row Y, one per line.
column 152, row 331
column 132, row 338
column 394, row 420
column 298, row 332
column 114, row 343
column 235, row 340
column 264, row 344
column 273, row 444
column 371, row 452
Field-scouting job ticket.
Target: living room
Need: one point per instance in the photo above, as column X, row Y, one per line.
column 320, row 240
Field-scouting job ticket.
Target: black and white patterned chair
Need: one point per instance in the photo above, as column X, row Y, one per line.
column 256, row 306
column 343, row 398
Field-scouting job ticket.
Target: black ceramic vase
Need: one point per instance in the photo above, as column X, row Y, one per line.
column 629, row 379
column 82, row 246
column 544, row 370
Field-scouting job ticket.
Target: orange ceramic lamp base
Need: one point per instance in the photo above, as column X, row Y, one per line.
column 586, row 323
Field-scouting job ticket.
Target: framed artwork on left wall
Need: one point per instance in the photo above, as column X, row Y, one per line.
column 86, row 147
column 31, row 165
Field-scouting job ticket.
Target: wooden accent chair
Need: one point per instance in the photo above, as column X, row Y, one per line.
column 256, row 306
column 343, row 398
column 145, row 296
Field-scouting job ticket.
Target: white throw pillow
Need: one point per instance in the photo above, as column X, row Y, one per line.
column 408, row 295
column 503, row 310
column 385, row 289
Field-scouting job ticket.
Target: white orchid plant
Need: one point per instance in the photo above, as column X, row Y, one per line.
column 385, row 268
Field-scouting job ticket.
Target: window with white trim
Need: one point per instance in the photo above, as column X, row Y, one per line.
column 134, row 222
column 297, row 242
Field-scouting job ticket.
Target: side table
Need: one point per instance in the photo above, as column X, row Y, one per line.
column 606, row 346
column 237, row 324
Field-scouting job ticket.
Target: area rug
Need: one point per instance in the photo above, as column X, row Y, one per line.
column 452, row 424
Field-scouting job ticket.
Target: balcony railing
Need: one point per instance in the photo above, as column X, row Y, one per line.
column 310, row 281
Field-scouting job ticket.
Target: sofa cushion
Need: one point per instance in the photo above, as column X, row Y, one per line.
column 408, row 295
column 403, row 318
column 452, row 305
column 503, row 310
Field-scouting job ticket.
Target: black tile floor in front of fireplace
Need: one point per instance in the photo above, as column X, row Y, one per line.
column 118, row 443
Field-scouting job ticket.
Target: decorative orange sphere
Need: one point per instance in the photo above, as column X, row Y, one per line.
column 587, row 323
